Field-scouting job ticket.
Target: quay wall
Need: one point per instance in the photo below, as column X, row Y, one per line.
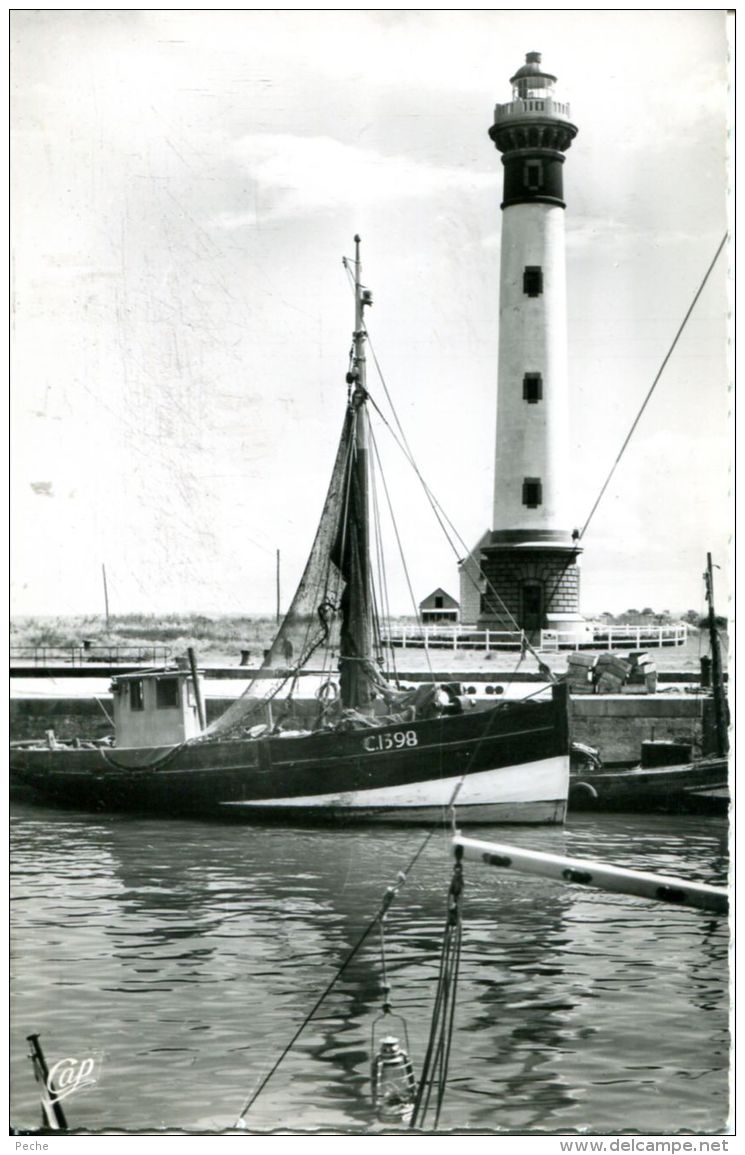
column 615, row 725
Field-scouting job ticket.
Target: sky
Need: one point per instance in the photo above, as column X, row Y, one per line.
column 184, row 187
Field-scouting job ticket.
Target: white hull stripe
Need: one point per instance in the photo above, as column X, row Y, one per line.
column 544, row 781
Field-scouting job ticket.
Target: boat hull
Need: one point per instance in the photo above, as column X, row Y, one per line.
column 693, row 788
column 509, row 764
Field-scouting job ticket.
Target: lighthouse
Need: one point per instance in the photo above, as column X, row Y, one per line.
column 528, row 561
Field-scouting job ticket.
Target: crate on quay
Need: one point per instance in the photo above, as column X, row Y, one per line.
column 579, row 673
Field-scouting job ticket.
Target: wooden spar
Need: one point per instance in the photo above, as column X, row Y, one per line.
column 717, row 677
column 364, row 638
column 585, row 872
column 356, row 637
column 197, row 688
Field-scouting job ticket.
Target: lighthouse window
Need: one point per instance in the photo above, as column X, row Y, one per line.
column 533, row 280
column 532, row 492
column 136, row 699
column 532, row 388
column 533, row 175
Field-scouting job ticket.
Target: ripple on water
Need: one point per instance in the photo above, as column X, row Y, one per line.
column 189, row 954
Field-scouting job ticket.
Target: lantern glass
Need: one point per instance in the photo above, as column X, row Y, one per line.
column 394, row 1085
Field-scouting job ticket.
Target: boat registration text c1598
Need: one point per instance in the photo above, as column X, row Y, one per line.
column 395, row 741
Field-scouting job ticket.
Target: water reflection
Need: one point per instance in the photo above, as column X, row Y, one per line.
column 189, row 953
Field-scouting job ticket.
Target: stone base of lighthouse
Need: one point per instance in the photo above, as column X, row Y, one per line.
column 533, row 585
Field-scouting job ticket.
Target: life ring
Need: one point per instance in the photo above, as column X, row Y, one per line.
column 576, row 787
column 327, row 692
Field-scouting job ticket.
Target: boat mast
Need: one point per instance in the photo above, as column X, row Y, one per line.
column 356, row 637
column 717, row 676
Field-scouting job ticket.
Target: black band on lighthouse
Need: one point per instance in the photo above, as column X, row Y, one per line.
column 533, row 176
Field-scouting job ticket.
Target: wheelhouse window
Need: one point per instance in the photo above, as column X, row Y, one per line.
column 532, row 492
column 136, row 695
column 533, row 280
column 166, row 693
column 532, row 388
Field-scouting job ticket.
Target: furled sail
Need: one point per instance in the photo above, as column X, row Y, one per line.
column 351, row 555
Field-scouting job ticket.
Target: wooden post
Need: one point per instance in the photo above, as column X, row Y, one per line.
column 717, row 677
column 197, row 687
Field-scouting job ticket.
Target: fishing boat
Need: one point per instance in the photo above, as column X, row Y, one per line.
column 668, row 779
column 695, row 786
column 373, row 751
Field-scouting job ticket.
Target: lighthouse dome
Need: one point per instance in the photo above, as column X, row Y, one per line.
column 531, row 80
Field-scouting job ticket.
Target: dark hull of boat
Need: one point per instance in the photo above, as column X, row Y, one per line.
column 513, row 762
column 694, row 788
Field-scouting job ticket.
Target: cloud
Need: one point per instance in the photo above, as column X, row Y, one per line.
column 297, row 175
column 588, row 230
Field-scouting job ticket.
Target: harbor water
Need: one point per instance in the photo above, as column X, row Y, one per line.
column 184, row 956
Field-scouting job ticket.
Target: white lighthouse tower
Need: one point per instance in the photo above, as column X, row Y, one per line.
column 529, row 559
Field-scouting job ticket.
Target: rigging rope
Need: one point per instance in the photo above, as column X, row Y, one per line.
column 403, row 445
column 390, row 894
column 400, row 547
column 382, row 910
column 379, row 588
column 654, row 383
column 445, row 1001
column 383, row 647
column 109, row 719
column 437, row 1058
column 439, row 511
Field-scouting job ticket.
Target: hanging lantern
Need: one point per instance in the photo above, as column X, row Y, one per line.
column 393, row 1082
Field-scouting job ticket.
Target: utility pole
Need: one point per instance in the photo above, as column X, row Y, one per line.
column 105, row 593
column 278, row 610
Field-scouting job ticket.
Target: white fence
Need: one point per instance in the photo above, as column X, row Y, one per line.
column 617, row 638
column 452, row 638
column 595, row 638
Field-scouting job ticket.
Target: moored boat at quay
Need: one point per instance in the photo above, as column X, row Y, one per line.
column 374, row 751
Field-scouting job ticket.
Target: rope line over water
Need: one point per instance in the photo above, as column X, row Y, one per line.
column 652, row 387
column 382, row 910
